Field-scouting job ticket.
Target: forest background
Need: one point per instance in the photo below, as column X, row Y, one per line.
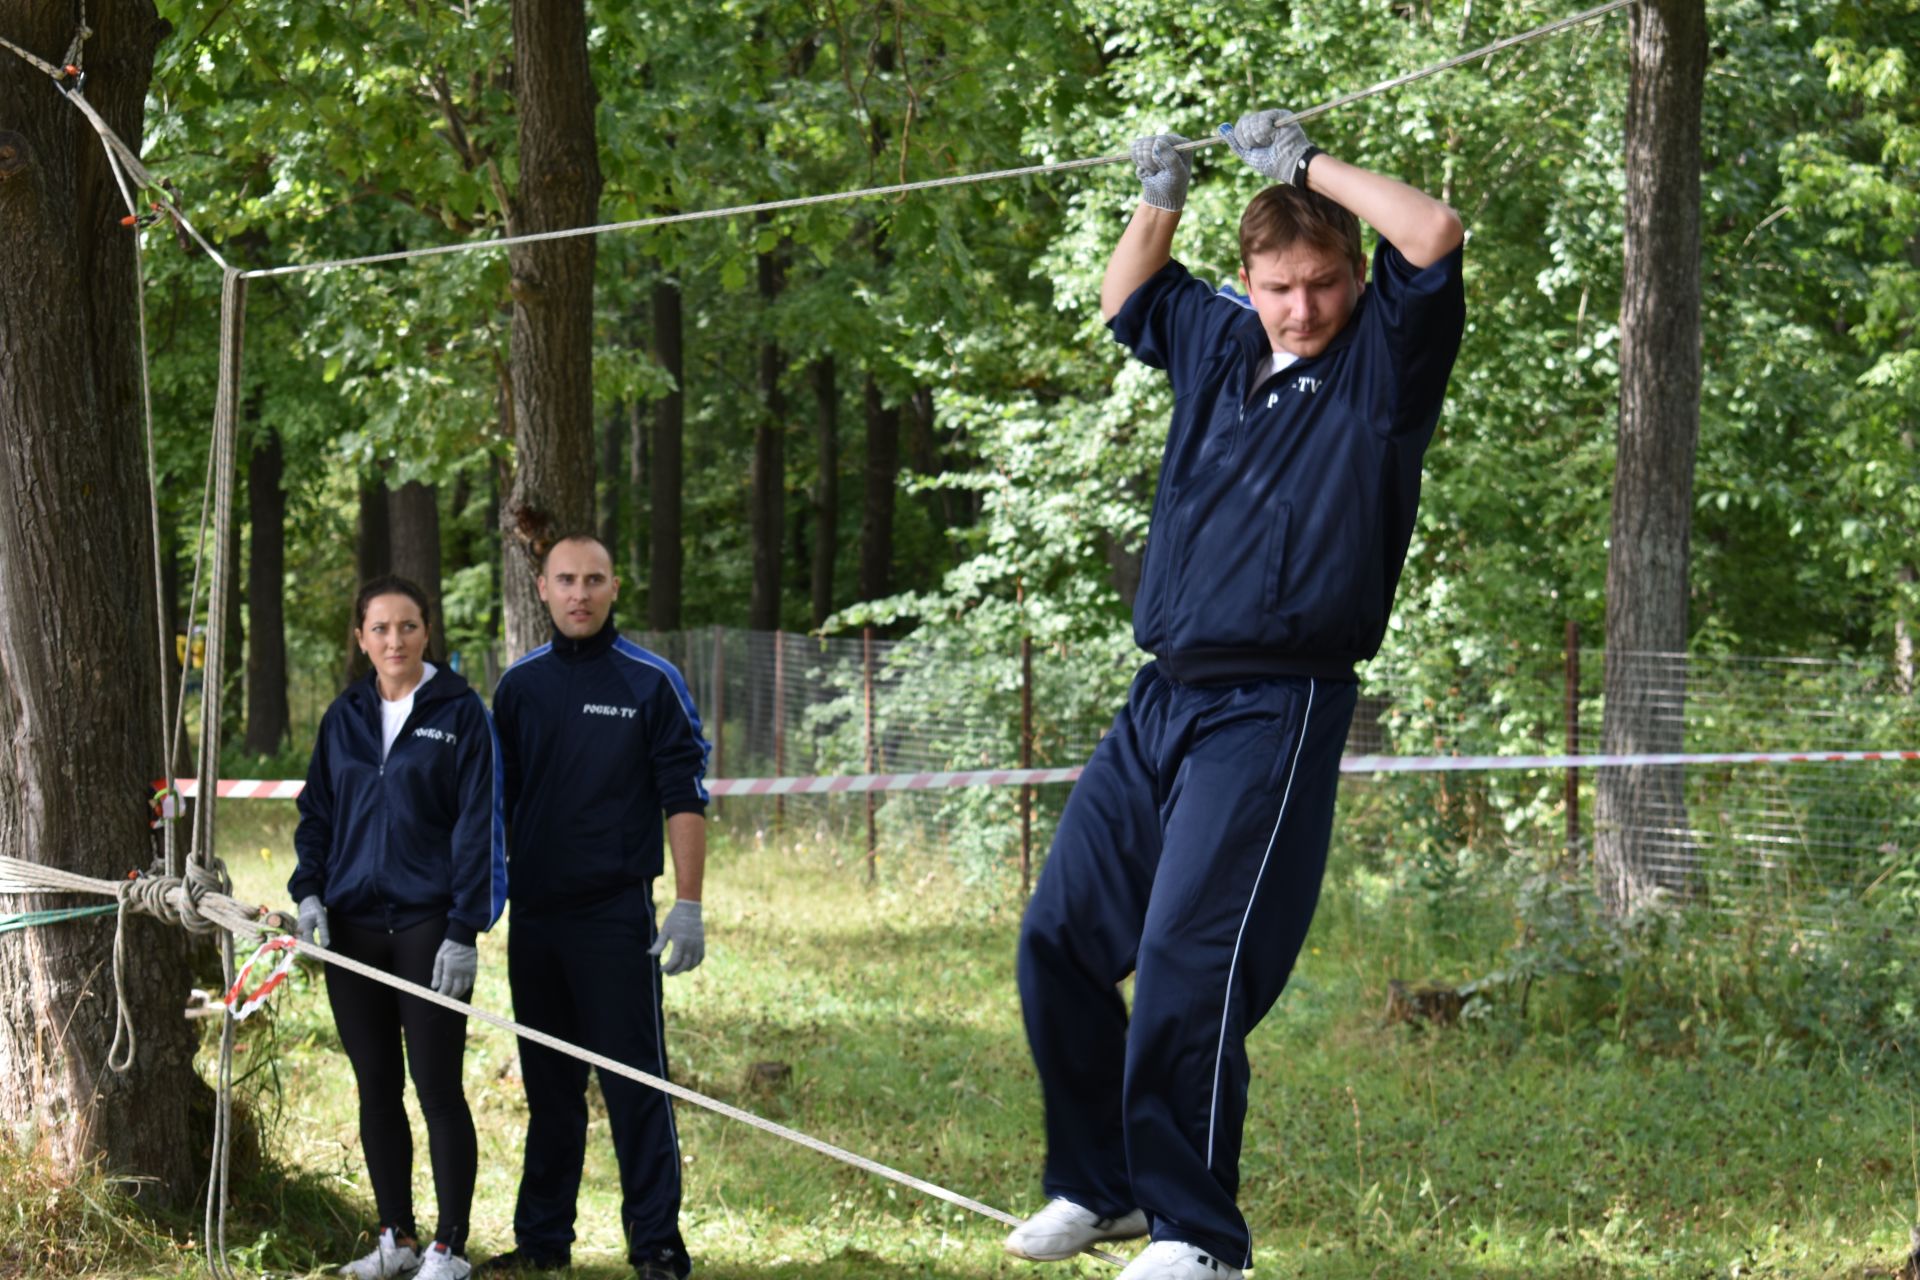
column 905, row 412
column 904, row 415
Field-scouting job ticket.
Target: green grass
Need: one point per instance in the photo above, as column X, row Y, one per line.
column 1508, row 1147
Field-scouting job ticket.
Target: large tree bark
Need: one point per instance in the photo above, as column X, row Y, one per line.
column 79, row 660
column 1642, row 849
column 268, row 720
column 373, row 558
column 826, row 487
column 612, row 483
column 638, row 472
column 551, row 342
column 413, row 521
column 882, row 476
column 669, row 461
column 373, row 552
column 768, row 472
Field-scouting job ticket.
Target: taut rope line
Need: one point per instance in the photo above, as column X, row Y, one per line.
column 196, row 903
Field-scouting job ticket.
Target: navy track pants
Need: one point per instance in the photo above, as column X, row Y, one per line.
column 584, row 975
column 1190, row 855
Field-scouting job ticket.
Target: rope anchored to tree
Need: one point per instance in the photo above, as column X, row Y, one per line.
column 203, row 907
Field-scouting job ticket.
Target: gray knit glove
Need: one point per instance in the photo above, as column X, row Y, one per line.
column 1163, row 171
column 683, row 929
column 311, row 925
column 455, row 966
column 1269, row 141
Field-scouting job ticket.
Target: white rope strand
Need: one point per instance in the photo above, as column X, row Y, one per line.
column 179, row 900
column 901, row 188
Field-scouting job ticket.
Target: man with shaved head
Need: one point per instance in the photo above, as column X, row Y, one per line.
column 599, row 742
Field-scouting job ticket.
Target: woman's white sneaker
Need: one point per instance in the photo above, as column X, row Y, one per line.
column 442, row 1263
column 388, row 1260
column 1063, row 1229
column 1172, row 1260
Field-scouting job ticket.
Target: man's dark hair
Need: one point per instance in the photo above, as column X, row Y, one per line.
column 1282, row 216
column 389, row 585
column 583, row 535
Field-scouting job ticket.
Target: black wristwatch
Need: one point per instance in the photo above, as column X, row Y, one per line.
column 1300, row 166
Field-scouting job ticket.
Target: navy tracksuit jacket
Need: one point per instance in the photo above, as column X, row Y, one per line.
column 1191, row 851
column 600, row 742
column 390, row 843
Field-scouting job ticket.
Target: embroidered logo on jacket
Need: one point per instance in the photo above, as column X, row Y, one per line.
column 600, row 709
column 1305, row 386
column 438, row 735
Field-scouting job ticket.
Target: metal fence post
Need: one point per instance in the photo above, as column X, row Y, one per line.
column 1573, row 738
column 719, row 706
column 1026, row 762
column 779, row 725
column 873, row 841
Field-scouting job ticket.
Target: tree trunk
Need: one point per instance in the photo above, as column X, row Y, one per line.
column 883, row 473
column 612, row 481
column 413, row 519
column 826, row 488
column 373, row 558
column 80, row 725
column 669, row 461
column 767, row 481
column 374, row 552
column 1642, row 850
column 638, row 473
column 551, row 344
column 268, row 720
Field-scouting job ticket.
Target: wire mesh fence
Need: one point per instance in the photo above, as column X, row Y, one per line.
column 1786, row 838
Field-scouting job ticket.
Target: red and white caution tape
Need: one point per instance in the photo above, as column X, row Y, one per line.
column 238, row 1003
column 1474, row 764
column 288, row 789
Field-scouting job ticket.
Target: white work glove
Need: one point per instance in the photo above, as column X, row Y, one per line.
column 683, row 929
column 311, row 924
column 1163, row 171
column 454, row 968
column 1271, row 142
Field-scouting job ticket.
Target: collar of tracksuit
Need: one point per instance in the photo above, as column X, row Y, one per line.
column 570, row 650
column 366, row 690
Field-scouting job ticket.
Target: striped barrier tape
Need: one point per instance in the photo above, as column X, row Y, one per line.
column 288, row 789
column 237, row 1002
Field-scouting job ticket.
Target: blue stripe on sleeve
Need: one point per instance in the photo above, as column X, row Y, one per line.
column 627, row 649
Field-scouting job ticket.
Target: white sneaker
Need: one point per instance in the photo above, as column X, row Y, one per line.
column 1063, row 1229
column 389, row 1259
column 442, row 1263
column 1172, row 1260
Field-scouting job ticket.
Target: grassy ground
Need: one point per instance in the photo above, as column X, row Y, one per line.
column 1502, row 1149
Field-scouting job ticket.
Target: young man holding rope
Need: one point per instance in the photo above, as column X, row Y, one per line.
column 1192, row 849
column 599, row 742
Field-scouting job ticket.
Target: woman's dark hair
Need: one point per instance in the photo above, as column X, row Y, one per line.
column 389, row 585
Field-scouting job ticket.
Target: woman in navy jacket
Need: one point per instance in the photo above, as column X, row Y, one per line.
column 402, row 862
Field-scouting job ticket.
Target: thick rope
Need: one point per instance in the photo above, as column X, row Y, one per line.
column 178, row 900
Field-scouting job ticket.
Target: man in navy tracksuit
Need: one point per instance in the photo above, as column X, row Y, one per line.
column 1191, row 851
column 599, row 739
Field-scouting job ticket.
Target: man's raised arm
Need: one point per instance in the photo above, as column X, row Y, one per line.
column 1147, row 243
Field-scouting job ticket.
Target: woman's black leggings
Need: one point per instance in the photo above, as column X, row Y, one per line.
column 371, row 1018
